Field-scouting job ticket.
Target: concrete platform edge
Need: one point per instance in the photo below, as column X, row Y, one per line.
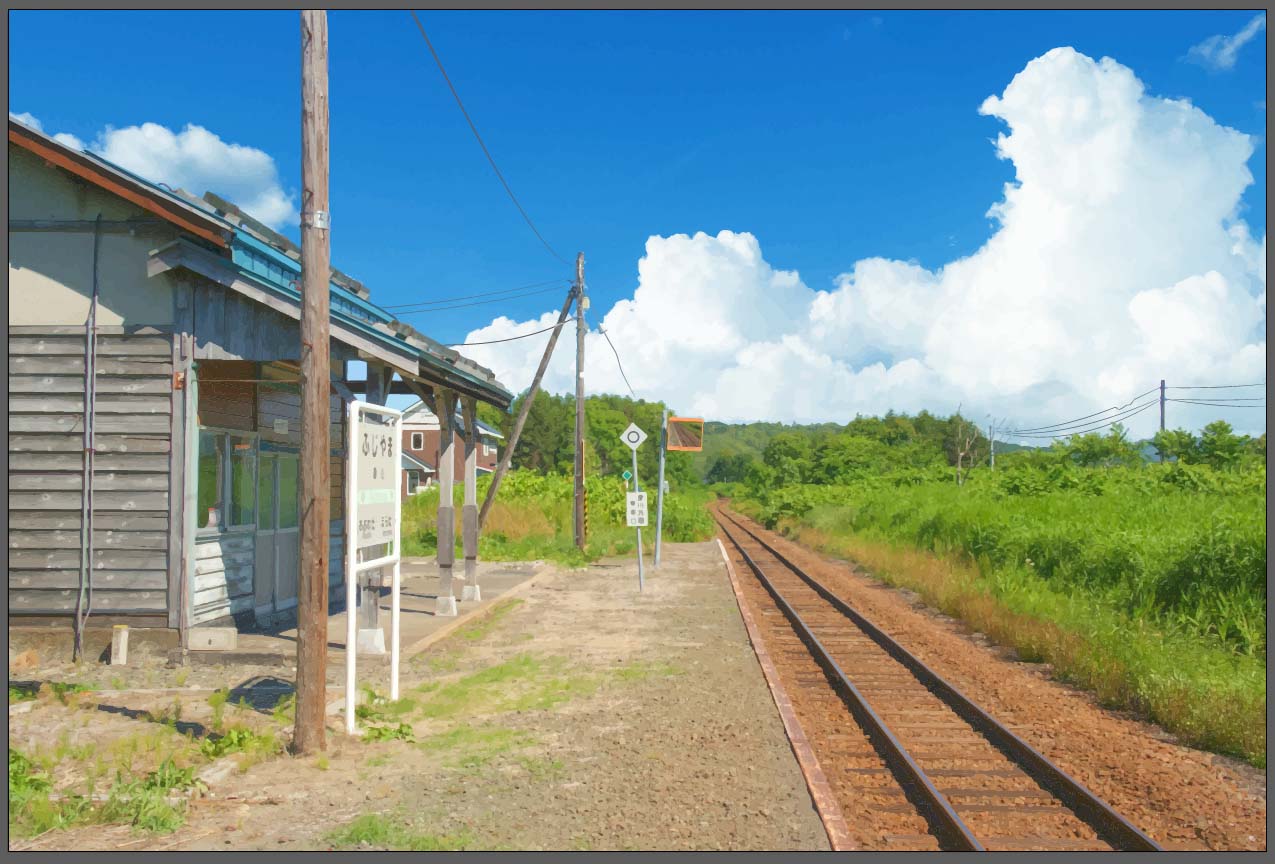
column 473, row 615
column 820, row 792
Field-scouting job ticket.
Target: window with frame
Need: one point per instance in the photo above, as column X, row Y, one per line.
column 418, row 440
column 413, row 481
column 226, row 485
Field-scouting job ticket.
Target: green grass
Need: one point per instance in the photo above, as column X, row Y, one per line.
column 471, row 748
column 1151, row 596
column 383, row 832
column 532, row 520
column 483, row 627
column 240, row 739
column 522, row 683
column 140, row 802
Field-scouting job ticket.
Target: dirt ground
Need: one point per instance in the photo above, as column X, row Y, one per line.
column 582, row 715
column 1183, row 797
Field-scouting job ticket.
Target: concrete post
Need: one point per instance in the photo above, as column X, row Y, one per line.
column 446, row 402
column 469, row 514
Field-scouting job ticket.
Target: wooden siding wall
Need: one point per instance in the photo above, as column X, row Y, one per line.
column 130, row 482
column 225, row 563
column 223, row 576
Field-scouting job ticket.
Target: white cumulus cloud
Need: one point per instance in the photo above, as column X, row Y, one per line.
column 193, row 159
column 1119, row 258
column 1219, row 52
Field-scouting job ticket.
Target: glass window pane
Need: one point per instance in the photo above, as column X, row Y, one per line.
column 413, row 481
column 208, row 482
column 288, row 492
column 265, row 494
column 243, row 480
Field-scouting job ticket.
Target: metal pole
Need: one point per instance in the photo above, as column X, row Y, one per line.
column 398, row 558
column 351, row 566
column 638, row 488
column 316, row 367
column 582, row 303
column 659, row 500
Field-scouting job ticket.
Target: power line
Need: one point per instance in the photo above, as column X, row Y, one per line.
column 510, row 339
column 1102, row 425
column 1216, row 404
column 1062, row 427
column 1223, row 398
column 479, row 138
column 475, row 303
column 1216, row 386
column 617, row 361
column 1077, row 420
column 557, row 281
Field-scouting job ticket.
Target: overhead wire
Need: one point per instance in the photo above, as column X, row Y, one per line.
column 1103, row 425
column 617, row 361
column 514, row 338
column 1215, row 386
column 1215, row 404
column 479, row 138
column 475, row 303
column 554, row 282
column 1064, row 423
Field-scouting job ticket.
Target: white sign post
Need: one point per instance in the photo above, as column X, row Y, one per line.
column 633, row 438
column 372, row 521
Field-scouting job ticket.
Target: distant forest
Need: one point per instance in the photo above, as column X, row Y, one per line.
column 827, row 452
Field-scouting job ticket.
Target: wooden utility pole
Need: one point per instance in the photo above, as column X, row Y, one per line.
column 1162, row 412
column 582, row 303
column 525, row 409
column 312, row 595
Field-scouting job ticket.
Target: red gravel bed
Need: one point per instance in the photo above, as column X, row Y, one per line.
column 1181, row 797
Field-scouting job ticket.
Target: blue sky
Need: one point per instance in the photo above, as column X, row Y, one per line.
column 831, row 137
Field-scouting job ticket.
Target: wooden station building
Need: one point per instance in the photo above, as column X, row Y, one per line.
column 188, row 386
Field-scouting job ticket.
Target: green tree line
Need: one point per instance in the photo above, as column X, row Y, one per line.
column 547, row 441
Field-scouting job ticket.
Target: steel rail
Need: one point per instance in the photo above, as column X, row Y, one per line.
column 934, row 806
column 1110, row 826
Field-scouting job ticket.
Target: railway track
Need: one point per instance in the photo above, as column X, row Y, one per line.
column 914, row 758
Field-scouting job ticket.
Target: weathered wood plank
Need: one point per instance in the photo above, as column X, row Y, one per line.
column 102, row 481
column 223, row 563
column 233, row 584
column 106, row 424
column 74, row 461
column 103, row 580
column 67, row 403
column 209, row 546
column 66, row 365
column 107, row 346
column 34, row 600
column 103, row 559
column 61, row 520
column 128, row 501
column 71, row 443
column 106, row 384
column 70, row 539
column 78, row 330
